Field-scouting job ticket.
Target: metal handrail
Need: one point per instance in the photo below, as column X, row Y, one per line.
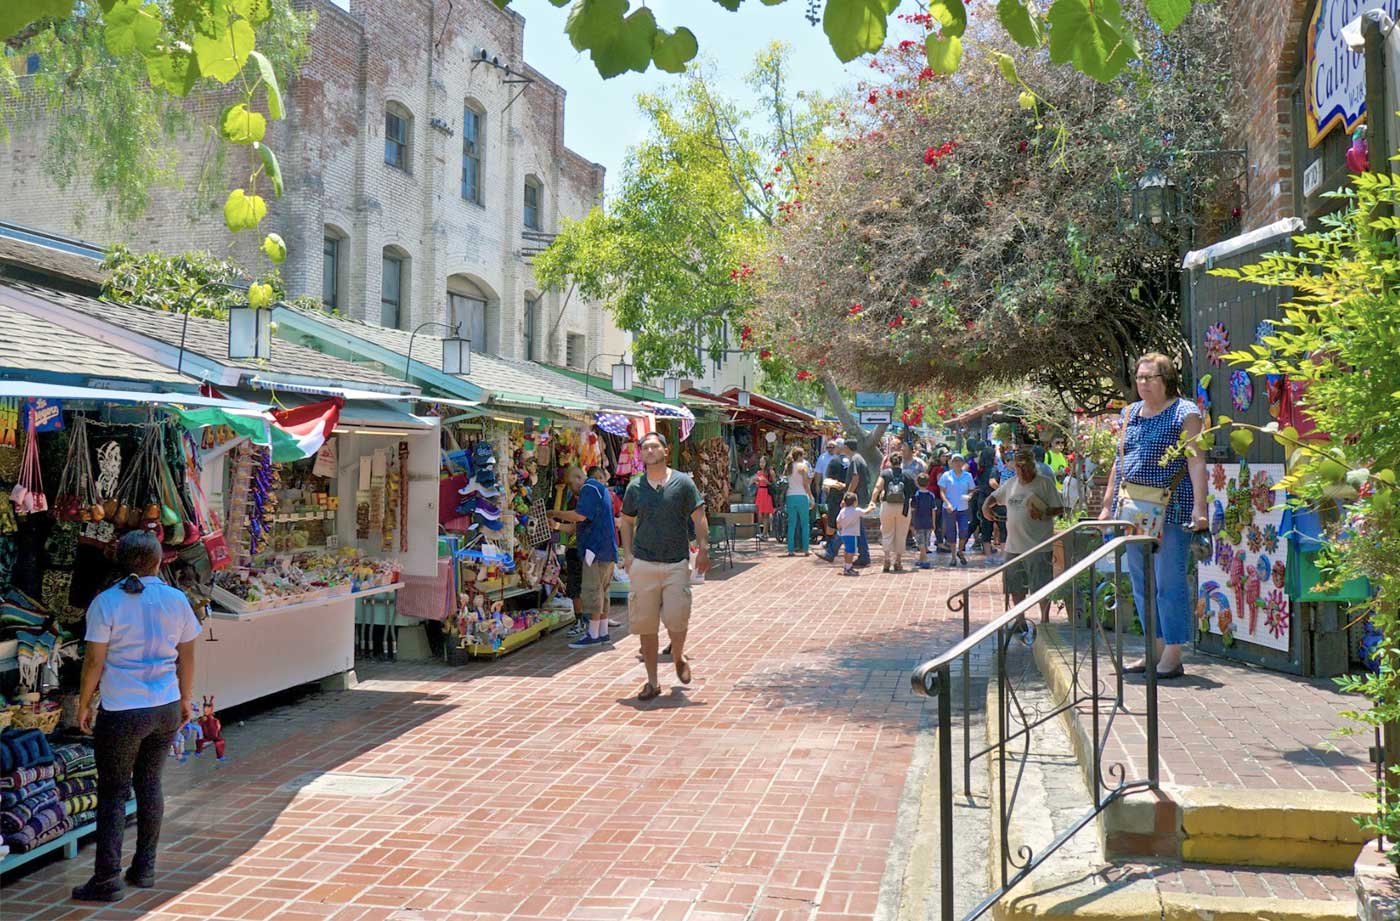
column 1087, row 524
column 921, row 678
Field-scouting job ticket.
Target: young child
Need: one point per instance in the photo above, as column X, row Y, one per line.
column 848, row 530
column 923, row 506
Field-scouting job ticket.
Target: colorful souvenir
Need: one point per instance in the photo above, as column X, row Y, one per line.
column 1271, row 538
column 1261, row 490
column 1241, row 390
column 1217, row 343
column 1217, row 477
column 1276, row 614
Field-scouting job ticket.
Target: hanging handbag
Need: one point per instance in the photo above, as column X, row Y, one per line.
column 1143, row 506
column 28, row 494
column 206, row 522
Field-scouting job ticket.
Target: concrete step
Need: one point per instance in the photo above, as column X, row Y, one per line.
column 1079, row 881
column 1305, row 829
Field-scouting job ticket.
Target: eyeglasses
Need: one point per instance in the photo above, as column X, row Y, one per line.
column 1144, row 378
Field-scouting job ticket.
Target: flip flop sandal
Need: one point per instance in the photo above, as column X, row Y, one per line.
column 685, row 675
column 649, row 692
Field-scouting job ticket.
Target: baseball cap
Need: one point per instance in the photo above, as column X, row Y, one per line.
column 957, row 457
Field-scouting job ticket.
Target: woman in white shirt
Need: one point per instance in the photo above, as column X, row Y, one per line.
column 140, row 647
column 799, row 502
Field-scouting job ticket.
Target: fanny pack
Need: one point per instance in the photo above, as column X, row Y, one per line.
column 1143, row 506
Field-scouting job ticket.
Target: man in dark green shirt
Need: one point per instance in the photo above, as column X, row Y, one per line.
column 656, row 510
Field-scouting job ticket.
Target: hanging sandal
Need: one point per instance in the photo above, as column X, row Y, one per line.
column 649, row 692
column 683, row 671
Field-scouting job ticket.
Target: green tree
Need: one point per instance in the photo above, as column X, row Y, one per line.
column 965, row 230
column 111, row 79
column 1341, row 335
column 181, row 281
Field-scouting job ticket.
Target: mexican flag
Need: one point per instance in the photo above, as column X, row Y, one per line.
column 307, row 426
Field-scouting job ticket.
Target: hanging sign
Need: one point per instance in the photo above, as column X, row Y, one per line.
column 868, row 400
column 875, row 417
column 325, row 459
column 48, row 414
column 1335, row 76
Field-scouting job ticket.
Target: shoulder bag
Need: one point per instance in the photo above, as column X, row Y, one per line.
column 1145, row 507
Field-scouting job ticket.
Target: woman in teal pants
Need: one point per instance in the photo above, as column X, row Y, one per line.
column 799, row 502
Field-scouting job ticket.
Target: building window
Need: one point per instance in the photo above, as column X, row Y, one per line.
column 467, row 314
column 473, row 121
column 398, row 129
column 532, row 308
column 330, row 274
column 533, row 194
column 391, row 300
column 574, row 347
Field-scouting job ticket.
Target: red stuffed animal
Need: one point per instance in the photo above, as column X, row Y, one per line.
column 213, row 731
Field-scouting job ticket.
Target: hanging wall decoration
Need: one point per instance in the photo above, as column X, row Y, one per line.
column 1236, row 597
column 1217, row 343
column 1241, row 390
column 1203, row 395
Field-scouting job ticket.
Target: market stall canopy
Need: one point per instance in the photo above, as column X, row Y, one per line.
column 33, row 390
column 35, row 349
column 975, row 413
column 639, row 393
column 772, row 414
column 773, row 405
column 523, row 386
column 156, row 336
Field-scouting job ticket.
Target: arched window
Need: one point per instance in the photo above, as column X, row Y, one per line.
column 333, row 268
column 534, row 203
column 394, row 288
column 398, row 136
column 473, row 150
column 531, row 328
column 467, row 306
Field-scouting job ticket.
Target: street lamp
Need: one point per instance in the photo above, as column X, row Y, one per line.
column 671, row 387
column 249, row 329
column 456, row 350
column 743, row 396
column 1156, row 199
column 623, row 374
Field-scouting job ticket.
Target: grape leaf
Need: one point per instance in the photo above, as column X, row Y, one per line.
column 1168, row 14
column 592, row 22
column 1241, row 440
column 1008, row 69
column 222, row 57
column 241, row 125
column 275, row 248
column 16, row 14
column 1092, row 35
column 1020, row 22
column 269, row 78
column 673, row 50
column 243, row 211
column 950, row 15
column 174, row 69
column 271, row 167
column 629, row 47
column 944, row 53
column 854, row 27
column 255, row 11
column 132, row 25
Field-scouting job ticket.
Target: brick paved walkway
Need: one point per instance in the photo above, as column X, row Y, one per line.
column 535, row 788
column 1230, row 725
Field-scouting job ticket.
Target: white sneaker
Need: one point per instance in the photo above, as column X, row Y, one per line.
column 614, row 623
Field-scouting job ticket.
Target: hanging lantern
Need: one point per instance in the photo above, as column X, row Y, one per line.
column 622, row 376
column 457, row 355
column 249, row 333
column 671, row 387
column 1156, row 199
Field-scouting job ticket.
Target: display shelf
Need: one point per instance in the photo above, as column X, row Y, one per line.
column 68, row 842
column 377, row 590
column 245, row 616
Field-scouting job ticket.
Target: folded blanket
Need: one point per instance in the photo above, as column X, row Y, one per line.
column 23, row 777
column 76, row 786
column 85, row 802
column 82, row 818
column 14, row 818
column 23, row 748
column 44, row 819
column 28, row 839
column 9, row 798
column 73, row 758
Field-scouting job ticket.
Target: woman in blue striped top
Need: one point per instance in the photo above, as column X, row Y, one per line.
column 1151, row 427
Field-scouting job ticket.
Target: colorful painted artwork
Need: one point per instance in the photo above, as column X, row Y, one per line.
column 1240, row 595
column 1264, row 330
column 1203, row 396
column 1241, row 390
column 1217, row 343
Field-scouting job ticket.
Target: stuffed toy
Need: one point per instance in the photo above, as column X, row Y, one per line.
column 213, row 731
column 189, row 736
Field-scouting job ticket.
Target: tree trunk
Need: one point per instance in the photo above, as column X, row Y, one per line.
column 869, row 442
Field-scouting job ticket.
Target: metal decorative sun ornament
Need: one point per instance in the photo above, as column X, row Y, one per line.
column 1241, row 390
column 1217, row 343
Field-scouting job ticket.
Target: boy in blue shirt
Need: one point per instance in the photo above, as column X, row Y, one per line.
column 922, row 507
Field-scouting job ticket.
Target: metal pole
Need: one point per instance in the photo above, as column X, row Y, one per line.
column 967, row 697
column 1001, row 750
column 1094, row 678
column 945, row 787
column 1149, row 583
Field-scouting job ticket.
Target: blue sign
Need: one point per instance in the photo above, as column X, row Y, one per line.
column 48, row 414
column 867, row 400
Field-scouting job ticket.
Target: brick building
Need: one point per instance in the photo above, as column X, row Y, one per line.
column 424, row 161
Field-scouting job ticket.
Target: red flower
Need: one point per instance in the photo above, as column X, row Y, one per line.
column 1023, row 146
column 778, row 168
column 765, row 353
column 746, row 334
column 804, row 375
column 915, row 302
column 767, row 186
column 926, row 74
column 873, row 98
column 856, row 308
column 907, row 44
column 897, row 322
column 947, row 282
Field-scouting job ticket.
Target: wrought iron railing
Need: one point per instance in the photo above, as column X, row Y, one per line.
column 935, row 679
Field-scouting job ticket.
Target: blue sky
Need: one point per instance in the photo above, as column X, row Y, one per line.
column 601, row 119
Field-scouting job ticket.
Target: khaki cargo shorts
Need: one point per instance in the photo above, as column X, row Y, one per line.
column 660, row 593
column 593, row 596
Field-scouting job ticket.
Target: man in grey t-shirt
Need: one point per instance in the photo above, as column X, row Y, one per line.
column 656, row 510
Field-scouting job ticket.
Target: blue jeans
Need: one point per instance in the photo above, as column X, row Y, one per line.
column 1169, row 572
column 956, row 525
column 799, row 523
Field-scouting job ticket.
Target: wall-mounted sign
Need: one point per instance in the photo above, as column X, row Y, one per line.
column 1312, row 177
column 1335, row 75
column 867, row 400
column 875, row 417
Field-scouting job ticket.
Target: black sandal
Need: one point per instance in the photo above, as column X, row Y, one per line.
column 684, row 676
column 649, row 692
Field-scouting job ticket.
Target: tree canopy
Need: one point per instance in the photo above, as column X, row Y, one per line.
column 970, row 228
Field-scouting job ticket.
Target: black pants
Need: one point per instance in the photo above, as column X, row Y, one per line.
column 131, row 747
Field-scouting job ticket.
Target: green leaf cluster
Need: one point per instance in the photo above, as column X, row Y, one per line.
column 1340, row 335
column 175, row 282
